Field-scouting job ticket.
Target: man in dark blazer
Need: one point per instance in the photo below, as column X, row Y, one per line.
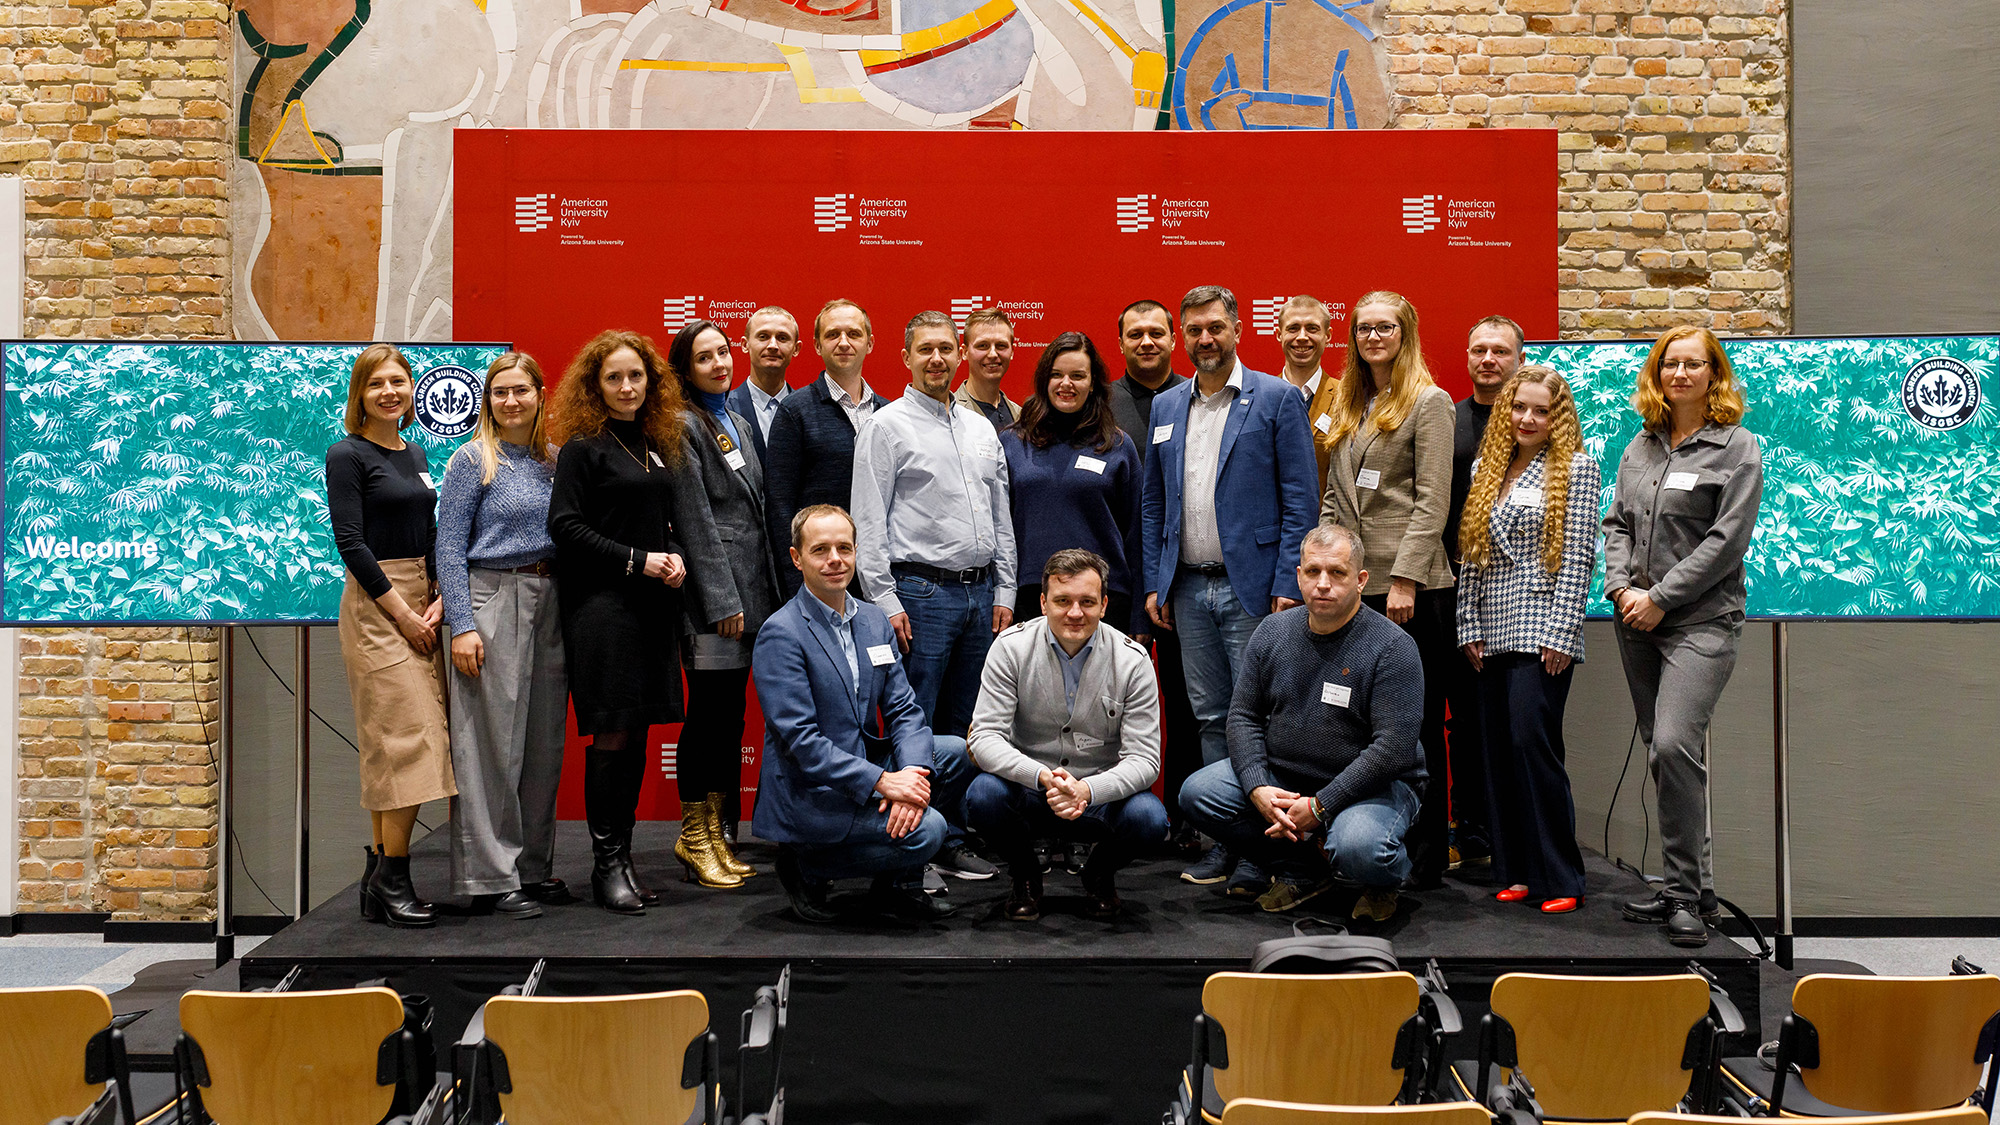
column 840, row 801
column 771, row 340
column 1230, row 493
column 812, row 437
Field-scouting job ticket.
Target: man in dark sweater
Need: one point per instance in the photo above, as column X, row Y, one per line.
column 1324, row 767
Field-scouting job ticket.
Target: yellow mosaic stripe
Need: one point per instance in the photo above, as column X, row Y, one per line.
column 950, row 31
column 299, row 107
column 810, row 91
column 1149, row 79
column 707, row 67
column 1116, row 39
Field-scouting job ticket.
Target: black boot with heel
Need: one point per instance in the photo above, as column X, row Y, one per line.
column 390, row 893
column 610, row 836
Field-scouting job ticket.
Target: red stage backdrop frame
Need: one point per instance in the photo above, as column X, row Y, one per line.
column 559, row 233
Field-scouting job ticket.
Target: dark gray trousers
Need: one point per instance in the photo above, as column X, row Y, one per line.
column 1675, row 676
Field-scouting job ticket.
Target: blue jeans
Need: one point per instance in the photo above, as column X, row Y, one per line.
column 1214, row 628
column 951, row 627
column 1364, row 844
column 1011, row 816
column 867, row 848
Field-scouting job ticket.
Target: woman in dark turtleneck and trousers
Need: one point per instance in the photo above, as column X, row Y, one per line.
column 624, row 545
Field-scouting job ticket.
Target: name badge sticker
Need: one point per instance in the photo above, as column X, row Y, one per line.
column 878, row 655
column 1525, row 497
column 1335, row 694
column 426, row 478
column 1090, row 464
column 655, row 459
column 1683, row 482
column 1368, row 478
column 733, row 459
column 1325, row 423
column 1162, row 433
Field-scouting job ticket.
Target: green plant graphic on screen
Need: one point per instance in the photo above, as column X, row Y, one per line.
column 180, row 482
column 1881, row 462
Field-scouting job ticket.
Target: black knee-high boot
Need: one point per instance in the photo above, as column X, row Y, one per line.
column 632, row 775
column 610, row 833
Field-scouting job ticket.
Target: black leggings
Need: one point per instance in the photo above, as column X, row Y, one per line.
column 710, row 756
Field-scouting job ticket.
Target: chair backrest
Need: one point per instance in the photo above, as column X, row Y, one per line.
column 1895, row 1044
column 597, row 1060
column 1324, row 1040
column 1961, row 1115
column 43, row 1036
column 304, row 1058
column 1602, row 1047
column 1259, row 1111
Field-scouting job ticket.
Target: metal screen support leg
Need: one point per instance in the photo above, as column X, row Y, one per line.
column 302, row 765
column 225, row 887
column 1781, row 784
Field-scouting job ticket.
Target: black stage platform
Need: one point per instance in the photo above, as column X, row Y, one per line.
column 952, row 1022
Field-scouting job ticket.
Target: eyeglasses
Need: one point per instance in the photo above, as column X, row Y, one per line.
column 1376, row 329
column 1688, row 365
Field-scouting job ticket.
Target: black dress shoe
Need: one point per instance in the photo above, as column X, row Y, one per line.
column 1683, row 928
column 807, row 898
column 513, row 904
column 1100, row 897
column 549, row 892
column 908, row 904
column 1662, row 905
column 1025, row 903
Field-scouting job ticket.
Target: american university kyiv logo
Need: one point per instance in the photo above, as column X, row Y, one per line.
column 962, row 307
column 1264, row 314
column 1135, row 213
column 531, row 212
column 833, row 212
column 677, row 313
column 1420, row 213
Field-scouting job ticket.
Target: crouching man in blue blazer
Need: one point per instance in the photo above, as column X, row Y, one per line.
column 840, row 801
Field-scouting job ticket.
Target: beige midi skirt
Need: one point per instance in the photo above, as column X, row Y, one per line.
column 399, row 712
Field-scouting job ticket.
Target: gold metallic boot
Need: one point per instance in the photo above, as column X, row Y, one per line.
column 719, row 840
column 697, row 853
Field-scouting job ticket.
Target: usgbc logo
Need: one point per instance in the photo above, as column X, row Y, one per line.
column 1420, row 213
column 1135, row 213
column 531, row 212
column 833, row 212
column 1941, row 393
column 448, row 401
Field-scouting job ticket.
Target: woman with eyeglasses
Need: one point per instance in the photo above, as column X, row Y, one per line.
column 1684, row 508
column 1389, row 442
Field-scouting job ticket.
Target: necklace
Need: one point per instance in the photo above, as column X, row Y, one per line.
column 628, row 449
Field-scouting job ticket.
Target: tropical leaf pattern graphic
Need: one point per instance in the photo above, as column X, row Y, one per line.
column 194, row 474
column 1866, row 512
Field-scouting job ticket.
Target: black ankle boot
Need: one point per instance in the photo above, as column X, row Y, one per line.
column 369, row 911
column 393, row 895
column 632, row 775
column 610, row 880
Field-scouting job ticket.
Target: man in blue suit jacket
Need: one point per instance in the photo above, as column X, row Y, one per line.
column 1230, row 492
column 839, row 800
column 771, row 341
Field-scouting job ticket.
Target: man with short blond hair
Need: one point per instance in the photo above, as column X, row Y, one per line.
column 989, row 350
column 1304, row 329
column 771, row 341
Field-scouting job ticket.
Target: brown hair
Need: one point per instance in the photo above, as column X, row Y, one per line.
column 811, row 512
column 1725, row 398
column 1496, row 455
column 579, row 411
column 372, row 357
column 984, row 317
column 1095, row 424
column 1072, row 561
column 841, row 303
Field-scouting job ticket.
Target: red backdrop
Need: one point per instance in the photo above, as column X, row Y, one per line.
column 561, row 233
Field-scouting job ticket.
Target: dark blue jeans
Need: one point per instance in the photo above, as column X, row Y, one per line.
column 1012, row 817
column 867, row 848
column 951, row 627
column 1364, row 844
column 1534, row 817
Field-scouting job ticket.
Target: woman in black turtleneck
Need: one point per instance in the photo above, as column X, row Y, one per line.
column 621, row 555
column 1074, row 479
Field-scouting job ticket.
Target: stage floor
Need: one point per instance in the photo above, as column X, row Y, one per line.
column 941, row 1022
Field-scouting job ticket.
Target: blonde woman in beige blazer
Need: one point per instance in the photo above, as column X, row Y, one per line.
column 1388, row 442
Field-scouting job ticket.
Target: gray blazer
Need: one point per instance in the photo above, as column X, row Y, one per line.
column 1401, row 520
column 1020, row 726
column 734, row 501
column 1681, row 520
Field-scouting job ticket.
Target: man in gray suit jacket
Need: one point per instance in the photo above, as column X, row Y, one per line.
column 1067, row 730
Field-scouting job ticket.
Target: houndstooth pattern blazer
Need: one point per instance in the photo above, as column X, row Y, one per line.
column 1511, row 602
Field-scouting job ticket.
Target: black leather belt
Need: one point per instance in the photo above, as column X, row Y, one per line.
column 1210, row 570
column 544, row 568
column 978, row 575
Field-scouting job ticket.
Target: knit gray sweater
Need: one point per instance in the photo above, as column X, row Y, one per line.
column 1333, row 715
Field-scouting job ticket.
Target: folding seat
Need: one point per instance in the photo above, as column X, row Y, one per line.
column 1959, row 1115
column 760, row 1088
column 601, row 1060
column 1259, row 1111
column 60, row 1057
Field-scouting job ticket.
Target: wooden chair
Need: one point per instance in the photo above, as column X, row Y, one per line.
column 1961, row 1115
column 59, row 1055
column 1258, row 1111
column 1875, row 1045
column 1591, row 1047
column 303, row 1058
column 602, row 1060
column 1347, row 1039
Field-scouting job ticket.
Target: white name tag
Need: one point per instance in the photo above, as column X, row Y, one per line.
column 1090, row 464
column 1525, row 497
column 1162, row 433
column 1683, row 482
column 1336, row 694
column 733, row 459
column 1324, row 424
column 426, row 478
column 655, row 459
column 878, row 655
column 1368, row 478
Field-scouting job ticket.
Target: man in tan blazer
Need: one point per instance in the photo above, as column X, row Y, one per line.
column 1304, row 329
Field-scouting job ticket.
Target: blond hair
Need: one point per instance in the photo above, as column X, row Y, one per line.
column 485, row 443
column 1725, row 398
column 1409, row 376
column 1496, row 453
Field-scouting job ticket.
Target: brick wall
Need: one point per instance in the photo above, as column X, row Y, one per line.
column 115, row 115
column 1674, row 148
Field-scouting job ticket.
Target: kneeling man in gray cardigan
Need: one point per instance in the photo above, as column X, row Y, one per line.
column 1067, row 730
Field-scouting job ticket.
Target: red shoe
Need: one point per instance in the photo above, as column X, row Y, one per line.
column 1561, row 905
column 1511, row 894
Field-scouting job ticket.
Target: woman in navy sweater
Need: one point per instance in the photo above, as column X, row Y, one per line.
column 1075, row 478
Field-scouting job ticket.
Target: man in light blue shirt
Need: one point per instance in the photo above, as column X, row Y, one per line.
column 771, row 340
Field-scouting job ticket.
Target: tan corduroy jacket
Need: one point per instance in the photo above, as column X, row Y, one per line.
column 1401, row 519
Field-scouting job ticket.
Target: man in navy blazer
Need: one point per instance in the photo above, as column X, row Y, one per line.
column 840, row 800
column 1230, row 493
column 771, row 340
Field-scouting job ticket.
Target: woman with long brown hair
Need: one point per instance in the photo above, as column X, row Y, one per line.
column 383, row 511
column 621, row 542
column 1528, row 541
column 1688, row 489
column 1389, row 442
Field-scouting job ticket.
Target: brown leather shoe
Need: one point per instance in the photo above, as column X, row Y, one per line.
column 1100, row 897
column 1024, row 904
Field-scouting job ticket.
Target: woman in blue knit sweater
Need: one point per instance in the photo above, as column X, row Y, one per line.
column 508, row 694
column 1074, row 478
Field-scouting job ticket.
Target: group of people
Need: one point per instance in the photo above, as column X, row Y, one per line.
column 1363, row 603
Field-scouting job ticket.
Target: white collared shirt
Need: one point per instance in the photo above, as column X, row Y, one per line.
column 857, row 412
column 1208, row 416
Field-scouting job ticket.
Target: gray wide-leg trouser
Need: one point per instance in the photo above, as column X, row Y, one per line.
column 507, row 737
column 1675, row 676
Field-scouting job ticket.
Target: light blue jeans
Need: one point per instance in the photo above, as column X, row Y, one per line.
column 1364, row 844
column 1214, row 629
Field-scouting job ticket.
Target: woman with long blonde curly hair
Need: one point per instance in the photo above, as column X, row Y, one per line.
column 1528, row 541
column 624, row 543
column 1389, row 441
